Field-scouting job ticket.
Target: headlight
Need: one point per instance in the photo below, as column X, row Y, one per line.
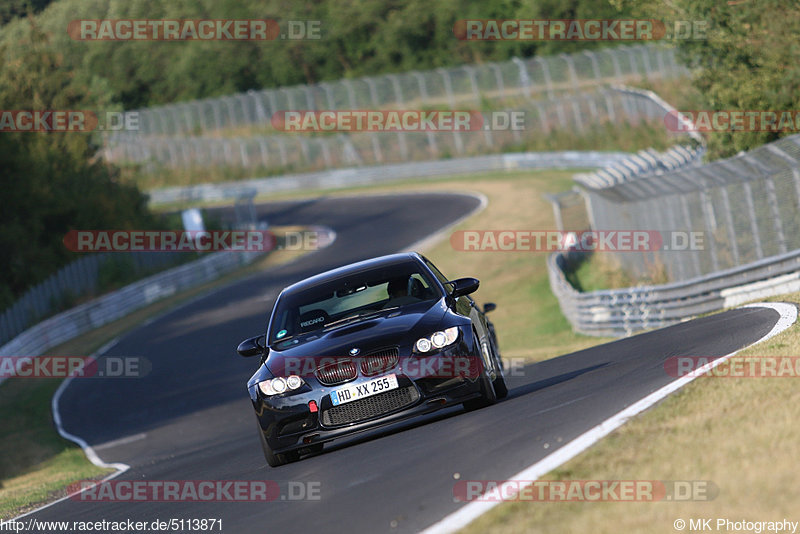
column 279, row 385
column 294, row 382
column 438, row 340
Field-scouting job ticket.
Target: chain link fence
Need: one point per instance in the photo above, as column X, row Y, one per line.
column 575, row 113
column 744, row 209
column 552, row 92
column 468, row 85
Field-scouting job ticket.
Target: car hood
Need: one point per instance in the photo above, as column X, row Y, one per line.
column 401, row 328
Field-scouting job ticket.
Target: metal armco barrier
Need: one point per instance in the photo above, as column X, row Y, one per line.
column 117, row 304
column 746, row 207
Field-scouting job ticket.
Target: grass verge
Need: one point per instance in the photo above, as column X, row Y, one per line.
column 739, row 433
column 602, row 271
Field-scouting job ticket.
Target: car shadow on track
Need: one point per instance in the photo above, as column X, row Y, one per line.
column 396, row 428
column 447, row 413
column 550, row 381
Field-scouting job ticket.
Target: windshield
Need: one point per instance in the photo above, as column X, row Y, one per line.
column 351, row 299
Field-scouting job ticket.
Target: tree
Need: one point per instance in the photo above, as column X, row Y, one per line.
column 51, row 182
column 747, row 62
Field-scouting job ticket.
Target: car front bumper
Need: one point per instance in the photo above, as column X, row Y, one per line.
column 288, row 423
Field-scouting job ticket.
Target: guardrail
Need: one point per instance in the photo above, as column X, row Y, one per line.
column 618, row 312
column 115, row 305
column 746, row 209
column 356, row 176
column 76, row 280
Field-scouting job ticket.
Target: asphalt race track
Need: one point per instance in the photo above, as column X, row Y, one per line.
column 190, row 417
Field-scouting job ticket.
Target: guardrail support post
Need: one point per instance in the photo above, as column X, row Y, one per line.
column 751, row 212
column 772, row 200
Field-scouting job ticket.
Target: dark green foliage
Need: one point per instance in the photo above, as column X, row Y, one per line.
column 747, row 62
column 358, row 38
column 51, row 182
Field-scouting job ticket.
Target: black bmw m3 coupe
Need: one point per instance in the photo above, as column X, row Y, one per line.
column 367, row 345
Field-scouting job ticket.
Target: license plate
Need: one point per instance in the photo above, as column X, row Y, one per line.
column 364, row 389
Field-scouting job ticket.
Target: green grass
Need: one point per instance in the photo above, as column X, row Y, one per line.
column 602, row 271
column 36, row 464
column 595, row 273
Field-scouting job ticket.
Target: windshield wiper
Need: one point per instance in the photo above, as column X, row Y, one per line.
column 362, row 315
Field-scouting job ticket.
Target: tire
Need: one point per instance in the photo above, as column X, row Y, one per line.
column 273, row 459
column 489, row 395
column 499, row 383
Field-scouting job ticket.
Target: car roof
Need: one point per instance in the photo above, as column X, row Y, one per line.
column 361, row 266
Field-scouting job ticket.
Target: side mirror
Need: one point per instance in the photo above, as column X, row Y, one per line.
column 252, row 347
column 489, row 306
column 464, row 286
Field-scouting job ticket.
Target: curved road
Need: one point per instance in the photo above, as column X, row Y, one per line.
column 190, row 417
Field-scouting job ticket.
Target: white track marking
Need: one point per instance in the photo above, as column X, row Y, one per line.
column 87, row 449
column 121, row 441
column 428, row 242
column 471, row 511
